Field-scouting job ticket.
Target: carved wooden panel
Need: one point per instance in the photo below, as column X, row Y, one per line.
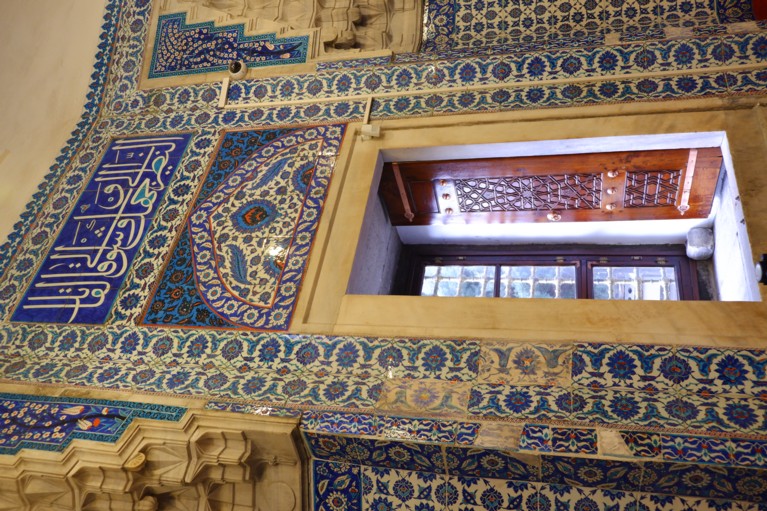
column 531, row 193
column 649, row 188
column 629, row 185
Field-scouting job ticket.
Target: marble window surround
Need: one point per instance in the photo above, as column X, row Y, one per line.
column 748, row 333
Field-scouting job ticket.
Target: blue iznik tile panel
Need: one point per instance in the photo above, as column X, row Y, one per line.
column 79, row 278
column 182, row 49
column 51, row 423
column 346, row 486
column 241, row 256
column 457, row 24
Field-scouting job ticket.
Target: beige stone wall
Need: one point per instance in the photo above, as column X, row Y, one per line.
column 47, row 52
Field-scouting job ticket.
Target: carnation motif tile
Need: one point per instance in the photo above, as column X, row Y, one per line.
column 337, row 486
column 525, row 364
column 609, row 366
column 491, row 464
column 400, row 489
column 436, row 398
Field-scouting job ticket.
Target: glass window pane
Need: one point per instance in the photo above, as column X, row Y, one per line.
column 635, row 283
column 471, row 288
column 534, row 281
column 457, row 280
column 447, row 288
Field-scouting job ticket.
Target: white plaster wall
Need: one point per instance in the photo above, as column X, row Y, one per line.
column 47, row 52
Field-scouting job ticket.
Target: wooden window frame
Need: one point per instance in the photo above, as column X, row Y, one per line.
column 414, row 259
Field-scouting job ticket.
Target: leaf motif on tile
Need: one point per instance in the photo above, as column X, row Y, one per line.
column 418, row 397
column 525, row 364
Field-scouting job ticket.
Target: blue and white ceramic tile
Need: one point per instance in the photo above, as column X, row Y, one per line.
column 609, row 366
column 341, row 423
column 51, row 423
column 473, row 462
column 480, row 494
column 592, row 473
column 586, row 499
column 420, row 430
column 528, row 402
column 520, row 364
column 401, row 489
column 401, row 455
column 337, row 486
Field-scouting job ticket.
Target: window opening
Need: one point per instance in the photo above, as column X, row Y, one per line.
column 598, row 272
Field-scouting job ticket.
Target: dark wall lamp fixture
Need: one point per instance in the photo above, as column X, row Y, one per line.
column 761, row 270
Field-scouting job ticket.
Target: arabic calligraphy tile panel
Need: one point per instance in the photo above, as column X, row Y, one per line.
column 182, row 49
column 51, row 423
column 79, row 278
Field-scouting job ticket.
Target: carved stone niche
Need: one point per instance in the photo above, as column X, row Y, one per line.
column 211, row 461
column 340, row 25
